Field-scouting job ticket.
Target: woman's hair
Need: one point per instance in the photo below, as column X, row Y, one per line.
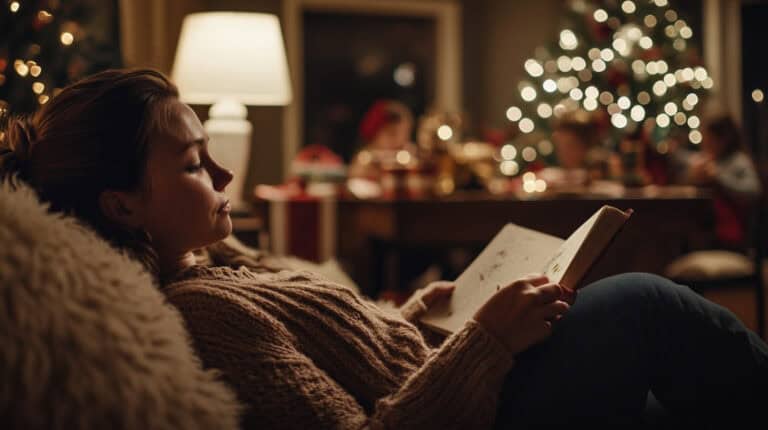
column 381, row 113
column 92, row 137
column 722, row 126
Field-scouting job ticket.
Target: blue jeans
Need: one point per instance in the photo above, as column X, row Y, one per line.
column 629, row 334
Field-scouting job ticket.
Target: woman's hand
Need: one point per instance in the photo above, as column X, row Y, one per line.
column 425, row 298
column 436, row 292
column 521, row 314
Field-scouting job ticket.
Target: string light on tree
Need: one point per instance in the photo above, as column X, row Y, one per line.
column 534, row 68
column 528, row 93
column 568, row 40
column 662, row 120
column 529, row 154
column 695, row 137
column 601, row 15
column 41, row 50
column 526, row 125
column 578, row 64
column 67, row 38
column 634, row 63
column 514, row 114
column 509, row 168
column 545, row 147
column 549, row 86
column 628, row 6
column 637, row 113
column 445, row 132
column 508, row 152
column 544, row 110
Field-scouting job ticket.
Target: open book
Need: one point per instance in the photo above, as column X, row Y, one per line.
column 518, row 251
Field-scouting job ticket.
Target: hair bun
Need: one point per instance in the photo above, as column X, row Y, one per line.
column 16, row 147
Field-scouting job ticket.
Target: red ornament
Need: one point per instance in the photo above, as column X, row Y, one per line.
column 535, row 166
column 494, row 136
column 602, row 121
column 616, row 77
column 652, row 54
column 599, row 31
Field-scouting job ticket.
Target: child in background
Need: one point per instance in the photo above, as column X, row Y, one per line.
column 724, row 165
column 385, row 131
column 579, row 157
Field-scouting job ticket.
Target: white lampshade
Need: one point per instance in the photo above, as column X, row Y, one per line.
column 232, row 55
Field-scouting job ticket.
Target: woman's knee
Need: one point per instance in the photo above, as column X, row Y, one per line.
column 634, row 288
column 639, row 279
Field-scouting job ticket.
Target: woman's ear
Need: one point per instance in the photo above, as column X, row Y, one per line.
column 119, row 207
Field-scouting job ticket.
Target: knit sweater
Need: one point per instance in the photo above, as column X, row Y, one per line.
column 303, row 352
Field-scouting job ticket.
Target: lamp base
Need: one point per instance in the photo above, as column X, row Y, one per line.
column 230, row 145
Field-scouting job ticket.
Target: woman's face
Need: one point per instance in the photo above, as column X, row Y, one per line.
column 182, row 205
column 393, row 136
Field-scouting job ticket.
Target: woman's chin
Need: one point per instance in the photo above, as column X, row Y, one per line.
column 224, row 226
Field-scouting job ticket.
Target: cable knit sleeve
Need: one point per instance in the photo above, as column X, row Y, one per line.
column 456, row 387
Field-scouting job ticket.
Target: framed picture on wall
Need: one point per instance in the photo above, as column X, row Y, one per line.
column 383, row 57
column 345, row 54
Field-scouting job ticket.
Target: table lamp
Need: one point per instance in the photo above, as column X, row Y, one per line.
column 229, row 60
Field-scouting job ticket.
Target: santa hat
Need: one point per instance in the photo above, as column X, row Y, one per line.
column 374, row 119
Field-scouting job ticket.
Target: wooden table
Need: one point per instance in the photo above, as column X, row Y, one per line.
column 372, row 233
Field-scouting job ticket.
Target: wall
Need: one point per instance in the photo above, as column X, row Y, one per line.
column 499, row 35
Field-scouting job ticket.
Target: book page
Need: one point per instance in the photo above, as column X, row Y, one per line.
column 516, row 252
column 513, row 253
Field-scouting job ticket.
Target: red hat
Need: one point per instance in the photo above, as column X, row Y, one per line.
column 374, row 119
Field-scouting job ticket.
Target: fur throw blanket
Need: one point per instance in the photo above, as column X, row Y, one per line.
column 86, row 340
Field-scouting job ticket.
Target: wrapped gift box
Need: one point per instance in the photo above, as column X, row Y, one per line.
column 301, row 224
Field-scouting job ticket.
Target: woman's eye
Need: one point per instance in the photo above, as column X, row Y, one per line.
column 194, row 168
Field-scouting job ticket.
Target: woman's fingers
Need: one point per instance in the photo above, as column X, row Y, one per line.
column 536, row 279
column 437, row 291
column 548, row 293
column 568, row 296
column 550, row 311
column 441, row 284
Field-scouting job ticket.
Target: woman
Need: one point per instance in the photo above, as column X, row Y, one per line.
column 121, row 152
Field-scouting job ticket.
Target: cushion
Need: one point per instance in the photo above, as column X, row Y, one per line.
column 710, row 265
column 87, row 340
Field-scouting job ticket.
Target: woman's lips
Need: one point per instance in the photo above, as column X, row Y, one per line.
column 225, row 208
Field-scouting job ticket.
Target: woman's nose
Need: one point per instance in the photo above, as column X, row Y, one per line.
column 221, row 177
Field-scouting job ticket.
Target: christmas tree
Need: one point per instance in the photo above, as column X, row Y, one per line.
column 631, row 65
column 47, row 44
